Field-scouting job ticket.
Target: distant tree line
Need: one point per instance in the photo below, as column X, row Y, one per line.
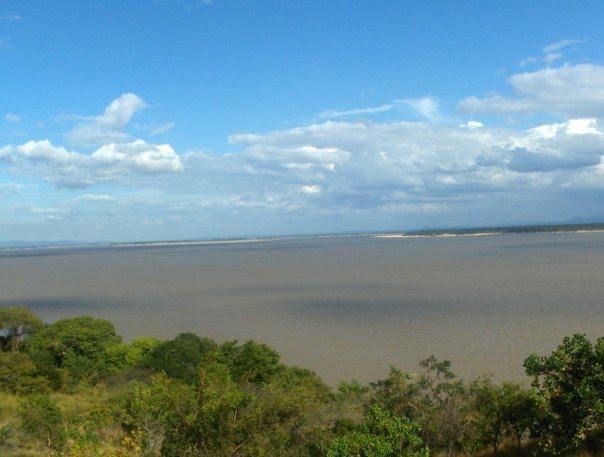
column 74, row 388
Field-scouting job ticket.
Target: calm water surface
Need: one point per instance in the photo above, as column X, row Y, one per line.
column 345, row 307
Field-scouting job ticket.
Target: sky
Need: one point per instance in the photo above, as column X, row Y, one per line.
column 146, row 120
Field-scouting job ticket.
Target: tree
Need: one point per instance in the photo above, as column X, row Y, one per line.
column 16, row 324
column 487, row 399
column 215, row 423
column 501, row 411
column 180, row 357
column 145, row 409
column 381, row 435
column 134, row 354
column 571, row 384
column 18, row 374
column 254, row 362
column 521, row 411
column 42, row 419
column 77, row 346
column 434, row 398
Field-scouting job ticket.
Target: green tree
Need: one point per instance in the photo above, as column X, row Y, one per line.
column 145, row 410
column 18, row 374
column 16, row 324
column 129, row 355
column 434, row 398
column 180, row 357
column 291, row 414
column 381, row 435
column 501, row 411
column 571, row 384
column 521, row 411
column 42, row 420
column 77, row 346
column 253, row 362
column 488, row 407
column 215, row 423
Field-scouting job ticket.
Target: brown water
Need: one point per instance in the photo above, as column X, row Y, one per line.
column 345, row 307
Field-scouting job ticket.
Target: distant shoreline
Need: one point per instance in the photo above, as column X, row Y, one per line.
column 428, row 233
column 490, row 231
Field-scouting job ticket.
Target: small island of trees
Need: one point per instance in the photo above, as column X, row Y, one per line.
column 74, row 388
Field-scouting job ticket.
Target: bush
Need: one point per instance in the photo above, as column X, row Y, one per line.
column 42, row 420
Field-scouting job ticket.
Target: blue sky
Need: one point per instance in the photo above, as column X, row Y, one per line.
column 169, row 119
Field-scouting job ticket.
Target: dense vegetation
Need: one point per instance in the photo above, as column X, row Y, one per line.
column 73, row 388
column 549, row 228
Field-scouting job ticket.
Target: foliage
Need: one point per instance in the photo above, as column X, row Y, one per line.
column 77, row 346
column 189, row 396
column 42, row 420
column 571, row 384
column 180, row 357
column 144, row 411
column 251, row 362
column 380, row 435
column 501, row 411
column 16, row 324
column 434, row 398
column 123, row 356
column 18, row 374
column 215, row 422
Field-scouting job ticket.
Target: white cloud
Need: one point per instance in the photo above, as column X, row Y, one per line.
column 570, row 91
column 311, row 189
column 427, row 107
column 107, row 127
column 158, row 129
column 552, row 57
column 529, row 61
column 111, row 160
column 108, row 163
column 14, row 118
column 336, row 166
column 552, row 53
column 49, row 214
column 97, row 198
column 332, row 114
column 558, row 45
column 472, row 125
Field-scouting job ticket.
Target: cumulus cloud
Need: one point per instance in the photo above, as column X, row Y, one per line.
column 109, row 126
column 399, row 165
column 570, row 91
column 108, row 163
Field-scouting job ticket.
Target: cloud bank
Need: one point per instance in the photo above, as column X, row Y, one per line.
column 347, row 165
